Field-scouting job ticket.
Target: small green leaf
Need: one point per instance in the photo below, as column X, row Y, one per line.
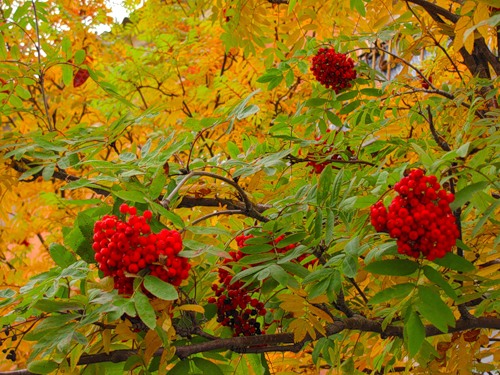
column 439, row 280
column 392, row 267
column 48, row 172
column 414, row 333
column 61, row 256
column 359, row 6
column 291, row 239
column 31, row 172
column 130, row 196
column 425, row 158
column 67, row 74
column 372, row 92
column 145, row 310
column 42, row 367
column 464, row 195
column 398, row 292
column 181, row 368
column 22, row 92
column 455, row 262
column 160, row 288
column 207, row 367
column 278, row 274
column 431, row 307
column 350, row 266
column 79, row 56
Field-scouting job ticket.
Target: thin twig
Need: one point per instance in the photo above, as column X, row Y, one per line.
column 216, row 213
column 40, row 71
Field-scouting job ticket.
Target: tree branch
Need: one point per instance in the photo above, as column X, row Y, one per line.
column 283, row 341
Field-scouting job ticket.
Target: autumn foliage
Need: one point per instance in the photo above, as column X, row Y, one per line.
column 249, row 187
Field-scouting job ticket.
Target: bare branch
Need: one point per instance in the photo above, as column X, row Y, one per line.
column 283, row 341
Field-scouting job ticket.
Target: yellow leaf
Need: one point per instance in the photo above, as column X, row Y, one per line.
column 468, row 7
column 167, row 354
column 314, row 323
column 320, row 314
column 153, row 342
column 319, row 299
column 291, row 298
column 482, row 13
column 469, row 43
column 124, row 332
column 299, row 329
column 292, row 306
column 74, row 356
column 460, row 27
column 106, row 340
column 189, row 307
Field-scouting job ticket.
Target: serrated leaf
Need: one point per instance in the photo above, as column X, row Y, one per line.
column 431, row 307
column 181, row 368
column 207, row 367
column 61, row 256
column 414, row 333
column 464, row 195
column 392, row 267
column 350, row 266
column 42, row 366
column 130, row 196
column 145, row 310
column 455, row 262
column 398, row 292
column 160, row 288
column 439, row 280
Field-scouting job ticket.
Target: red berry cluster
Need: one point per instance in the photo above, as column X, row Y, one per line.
column 333, row 70
column 235, row 306
column 124, row 248
column 419, row 218
column 424, row 83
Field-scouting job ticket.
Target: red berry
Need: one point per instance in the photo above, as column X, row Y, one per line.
column 333, row 70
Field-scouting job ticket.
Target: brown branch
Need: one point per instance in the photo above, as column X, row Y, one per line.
column 437, row 138
column 283, row 341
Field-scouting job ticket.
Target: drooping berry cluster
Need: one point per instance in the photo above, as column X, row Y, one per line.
column 235, row 306
column 125, row 248
column 419, row 218
column 333, row 70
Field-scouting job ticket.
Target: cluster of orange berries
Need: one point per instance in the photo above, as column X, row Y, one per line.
column 419, row 218
column 125, row 248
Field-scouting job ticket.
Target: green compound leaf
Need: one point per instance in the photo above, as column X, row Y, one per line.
column 414, row 333
column 431, row 307
column 392, row 267
column 160, row 288
column 455, row 262
column 439, row 280
column 42, row 367
column 396, row 292
column 145, row 310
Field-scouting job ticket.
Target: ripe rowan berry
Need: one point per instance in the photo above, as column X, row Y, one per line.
column 333, row 70
column 130, row 247
column 419, row 218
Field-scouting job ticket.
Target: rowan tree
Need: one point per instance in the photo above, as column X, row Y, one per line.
column 249, row 187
